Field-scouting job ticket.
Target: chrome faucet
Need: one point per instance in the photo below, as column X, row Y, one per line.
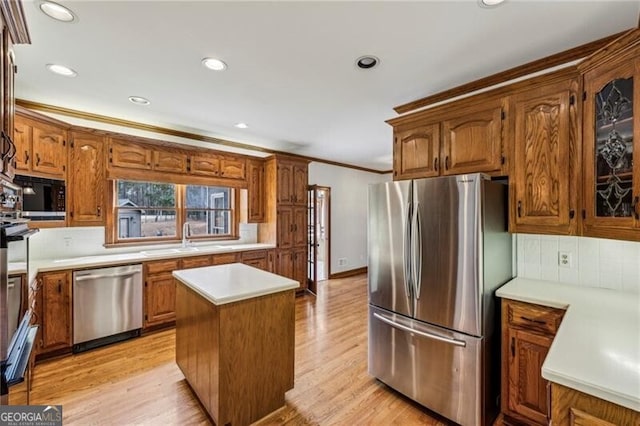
column 186, row 232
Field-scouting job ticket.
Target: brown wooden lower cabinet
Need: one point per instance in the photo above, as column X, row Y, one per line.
column 570, row 407
column 56, row 321
column 292, row 263
column 258, row 259
column 527, row 333
column 196, row 262
column 159, row 292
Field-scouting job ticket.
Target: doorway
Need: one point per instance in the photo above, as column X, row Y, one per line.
column 319, row 235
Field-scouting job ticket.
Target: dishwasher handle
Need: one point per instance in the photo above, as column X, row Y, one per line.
column 93, row 277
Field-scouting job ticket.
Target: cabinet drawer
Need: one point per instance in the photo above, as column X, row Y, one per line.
column 196, row 262
column 162, row 266
column 256, row 254
column 534, row 317
column 224, row 258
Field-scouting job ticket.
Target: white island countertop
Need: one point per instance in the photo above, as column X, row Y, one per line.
column 597, row 347
column 233, row 282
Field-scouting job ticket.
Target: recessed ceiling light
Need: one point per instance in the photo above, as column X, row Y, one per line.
column 490, row 3
column 56, row 11
column 61, row 70
column 139, row 100
column 214, row 64
column 242, row 125
column 367, row 62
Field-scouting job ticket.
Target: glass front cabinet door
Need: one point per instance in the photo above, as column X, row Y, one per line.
column 611, row 135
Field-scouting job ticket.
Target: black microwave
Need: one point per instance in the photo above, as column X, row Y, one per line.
column 42, row 199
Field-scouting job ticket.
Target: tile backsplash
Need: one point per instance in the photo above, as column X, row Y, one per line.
column 61, row 243
column 591, row 262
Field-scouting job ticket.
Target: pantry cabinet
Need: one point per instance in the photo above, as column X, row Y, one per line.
column 611, row 136
column 527, row 333
column 455, row 139
column 544, row 180
column 86, row 183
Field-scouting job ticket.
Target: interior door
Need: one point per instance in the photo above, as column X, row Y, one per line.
column 389, row 250
column 445, row 236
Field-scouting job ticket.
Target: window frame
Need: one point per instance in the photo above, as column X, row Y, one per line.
column 112, row 238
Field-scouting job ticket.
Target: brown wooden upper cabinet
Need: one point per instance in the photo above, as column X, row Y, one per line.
column 543, row 178
column 216, row 165
column 256, row 191
column 40, row 148
column 232, row 168
column 129, row 155
column 292, row 183
column 169, row 161
column 86, row 181
column 611, row 136
column 457, row 140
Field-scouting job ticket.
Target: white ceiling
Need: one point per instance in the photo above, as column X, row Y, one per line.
column 291, row 74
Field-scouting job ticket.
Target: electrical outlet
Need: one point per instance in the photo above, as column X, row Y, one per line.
column 67, row 241
column 564, row 259
column 342, row 261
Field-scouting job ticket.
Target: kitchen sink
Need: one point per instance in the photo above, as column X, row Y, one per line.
column 164, row 252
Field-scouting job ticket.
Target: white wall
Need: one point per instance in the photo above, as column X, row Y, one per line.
column 349, row 188
column 595, row 262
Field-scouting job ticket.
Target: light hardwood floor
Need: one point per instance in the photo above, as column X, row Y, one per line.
column 138, row 382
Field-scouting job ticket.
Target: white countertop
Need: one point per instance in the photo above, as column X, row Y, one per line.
column 597, row 347
column 15, row 268
column 233, row 282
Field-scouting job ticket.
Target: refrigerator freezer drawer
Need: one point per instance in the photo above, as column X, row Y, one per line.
column 436, row 367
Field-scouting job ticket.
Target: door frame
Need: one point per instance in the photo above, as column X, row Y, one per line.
column 313, row 252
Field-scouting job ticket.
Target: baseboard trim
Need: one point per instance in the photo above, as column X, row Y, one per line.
column 350, row 273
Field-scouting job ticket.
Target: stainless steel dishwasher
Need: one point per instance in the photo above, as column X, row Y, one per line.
column 107, row 306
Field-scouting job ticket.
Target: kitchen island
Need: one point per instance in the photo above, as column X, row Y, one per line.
column 235, row 329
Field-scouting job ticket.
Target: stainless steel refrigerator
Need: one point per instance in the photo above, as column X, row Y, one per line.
column 438, row 250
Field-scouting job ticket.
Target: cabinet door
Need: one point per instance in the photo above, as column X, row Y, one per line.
column 472, row 143
column 9, row 106
column 128, row 155
column 257, row 263
column 232, row 168
column 541, row 170
column 611, row 137
column 204, row 165
column 300, row 226
column 256, row 191
column 527, row 390
column 167, row 161
column 56, row 310
column 285, row 227
column 22, row 140
column 416, row 152
column 160, row 299
column 86, row 180
column 300, row 184
column 300, row 267
column 49, row 149
column 285, row 263
column 285, row 191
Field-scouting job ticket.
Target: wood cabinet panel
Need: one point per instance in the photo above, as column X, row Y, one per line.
column 256, row 191
column 129, row 155
column 87, row 183
column 527, row 333
column 169, row 161
column 161, row 266
column 300, row 267
column 22, row 140
column 285, row 191
column 541, row 169
column 570, row 407
column 300, row 184
column 232, row 168
column 416, row 152
column 224, row 258
column 49, row 150
column 286, row 233
column 196, row 262
column 285, row 263
column 205, row 165
column 160, row 299
column 257, row 259
column 473, row 142
column 56, row 310
column 300, row 226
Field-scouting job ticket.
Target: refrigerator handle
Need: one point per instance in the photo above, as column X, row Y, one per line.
column 416, row 251
column 403, row 327
column 408, row 252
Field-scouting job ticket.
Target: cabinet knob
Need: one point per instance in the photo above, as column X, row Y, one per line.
column 37, row 159
column 446, row 162
column 519, row 208
column 99, row 212
column 435, row 164
column 26, row 156
column 59, row 286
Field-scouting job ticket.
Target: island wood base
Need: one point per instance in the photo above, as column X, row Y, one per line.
column 237, row 357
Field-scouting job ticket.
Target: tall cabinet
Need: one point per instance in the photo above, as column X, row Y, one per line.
column 286, row 181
